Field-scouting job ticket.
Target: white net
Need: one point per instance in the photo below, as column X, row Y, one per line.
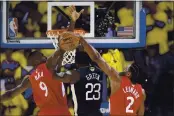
column 69, row 56
column 55, row 42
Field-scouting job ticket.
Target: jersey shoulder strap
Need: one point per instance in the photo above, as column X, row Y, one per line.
column 125, row 81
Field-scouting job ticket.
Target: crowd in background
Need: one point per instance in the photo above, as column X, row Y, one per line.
column 156, row 61
column 109, row 16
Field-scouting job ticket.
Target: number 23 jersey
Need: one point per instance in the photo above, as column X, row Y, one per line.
column 48, row 93
column 90, row 91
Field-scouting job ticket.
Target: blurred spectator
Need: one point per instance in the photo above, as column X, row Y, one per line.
column 160, row 25
column 154, row 63
column 2, row 108
column 13, row 63
column 0, row 70
column 47, row 52
column 18, row 56
column 17, row 106
column 150, row 7
column 9, row 66
column 111, row 31
column 126, row 17
column 113, row 58
column 159, row 34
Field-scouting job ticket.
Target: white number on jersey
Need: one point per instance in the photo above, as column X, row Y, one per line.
column 131, row 99
column 63, row 90
column 43, row 87
column 93, row 88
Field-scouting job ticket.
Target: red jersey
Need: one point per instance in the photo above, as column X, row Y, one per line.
column 127, row 100
column 49, row 94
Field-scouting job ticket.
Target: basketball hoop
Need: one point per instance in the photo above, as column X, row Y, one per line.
column 69, row 56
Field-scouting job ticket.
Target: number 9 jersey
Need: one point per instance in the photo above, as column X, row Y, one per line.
column 89, row 93
column 49, row 94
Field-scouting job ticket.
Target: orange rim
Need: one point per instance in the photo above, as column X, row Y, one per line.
column 60, row 31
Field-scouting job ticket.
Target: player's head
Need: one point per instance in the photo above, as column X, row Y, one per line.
column 35, row 58
column 132, row 73
column 10, row 83
column 82, row 59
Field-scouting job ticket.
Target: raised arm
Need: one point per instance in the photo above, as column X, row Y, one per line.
column 73, row 15
column 54, row 62
column 69, row 76
column 96, row 57
column 55, row 59
column 72, row 25
column 16, row 91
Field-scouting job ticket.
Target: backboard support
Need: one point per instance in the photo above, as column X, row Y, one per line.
column 138, row 41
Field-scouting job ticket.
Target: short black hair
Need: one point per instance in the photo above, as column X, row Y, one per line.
column 33, row 54
column 135, row 70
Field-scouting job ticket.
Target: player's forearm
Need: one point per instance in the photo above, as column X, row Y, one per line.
column 54, row 59
column 93, row 54
column 58, row 53
column 7, row 96
column 68, row 76
column 16, row 91
column 58, row 56
column 72, row 25
column 61, row 76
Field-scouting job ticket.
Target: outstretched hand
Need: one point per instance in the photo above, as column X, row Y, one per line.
column 72, row 13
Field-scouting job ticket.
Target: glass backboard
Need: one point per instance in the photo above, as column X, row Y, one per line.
column 108, row 24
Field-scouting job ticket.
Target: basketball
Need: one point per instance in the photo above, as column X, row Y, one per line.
column 68, row 41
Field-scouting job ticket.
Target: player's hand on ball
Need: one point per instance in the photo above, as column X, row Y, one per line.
column 72, row 13
column 68, row 41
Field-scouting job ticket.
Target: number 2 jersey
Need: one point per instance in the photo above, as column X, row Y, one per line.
column 127, row 100
column 48, row 94
column 89, row 92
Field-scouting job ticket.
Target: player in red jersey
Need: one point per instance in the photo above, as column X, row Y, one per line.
column 122, row 102
column 46, row 84
column 129, row 98
column 46, row 80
